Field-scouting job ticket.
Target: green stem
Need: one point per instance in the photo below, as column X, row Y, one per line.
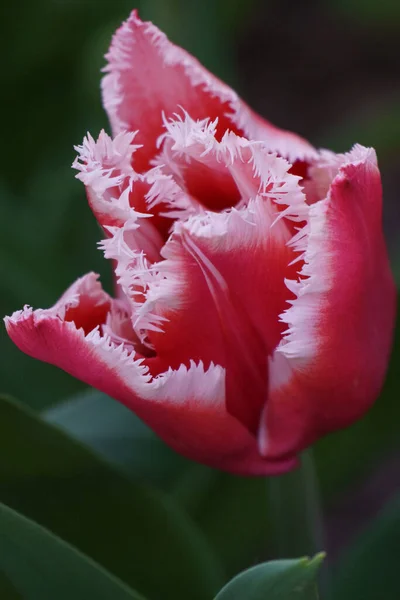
column 296, row 515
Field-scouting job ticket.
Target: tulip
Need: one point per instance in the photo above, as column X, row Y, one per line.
column 255, row 304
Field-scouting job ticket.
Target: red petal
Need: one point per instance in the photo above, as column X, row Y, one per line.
column 191, row 416
column 199, row 163
column 116, row 193
column 222, row 294
column 222, row 174
column 185, row 407
column 148, row 75
column 332, row 364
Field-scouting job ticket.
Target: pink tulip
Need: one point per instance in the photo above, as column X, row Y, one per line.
column 255, row 303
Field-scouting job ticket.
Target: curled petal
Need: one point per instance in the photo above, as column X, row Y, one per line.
column 148, row 75
column 191, row 416
column 104, row 166
column 331, row 363
column 227, row 172
column 191, row 154
column 259, row 175
column 116, row 193
column 185, row 406
column 285, row 143
column 217, row 295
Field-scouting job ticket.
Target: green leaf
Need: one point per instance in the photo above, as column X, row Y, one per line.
column 40, row 565
column 369, row 569
column 275, row 580
column 136, row 533
column 214, row 499
column 120, row 436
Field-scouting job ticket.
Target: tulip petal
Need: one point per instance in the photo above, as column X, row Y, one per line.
column 148, row 75
column 330, row 366
column 197, row 161
column 104, row 166
column 280, row 200
column 218, row 294
column 117, row 194
column 227, row 172
column 189, row 414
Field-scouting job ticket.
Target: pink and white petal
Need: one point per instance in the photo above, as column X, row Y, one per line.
column 217, row 295
column 324, row 168
column 118, row 329
column 118, row 195
column 185, row 407
column 331, row 364
column 84, row 303
column 91, row 358
column 190, row 415
column 227, row 172
column 285, row 143
column 70, row 336
column 104, row 167
column 191, row 154
column 148, row 75
column 167, row 198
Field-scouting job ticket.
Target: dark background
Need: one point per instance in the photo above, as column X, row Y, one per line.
column 328, row 69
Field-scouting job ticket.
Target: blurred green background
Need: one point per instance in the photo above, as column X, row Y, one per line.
column 328, row 69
